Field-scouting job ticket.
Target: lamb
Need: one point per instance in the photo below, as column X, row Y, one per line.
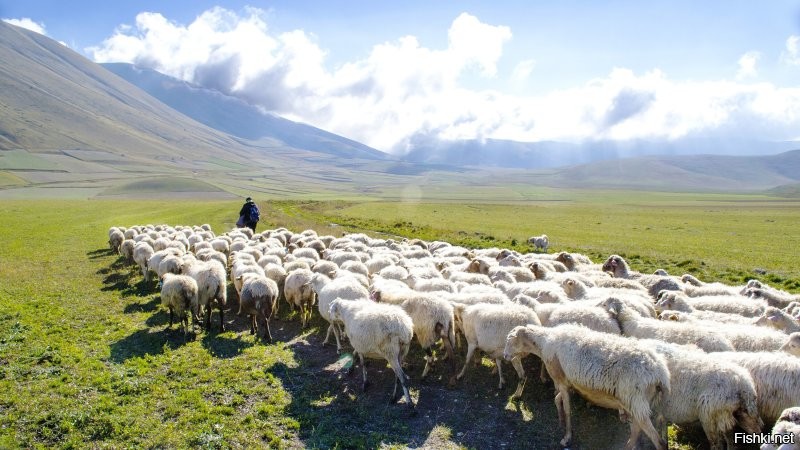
column 433, row 320
column 653, row 283
column 299, row 293
column 776, row 378
column 211, row 288
column 539, row 242
column 377, row 331
column 327, row 290
column 717, row 393
column 720, row 303
column 610, row 371
column 639, row 327
column 257, row 299
column 178, row 292
column 786, row 430
column 486, row 326
column 778, row 319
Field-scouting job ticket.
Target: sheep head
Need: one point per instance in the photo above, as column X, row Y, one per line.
column 792, row 346
column 522, row 340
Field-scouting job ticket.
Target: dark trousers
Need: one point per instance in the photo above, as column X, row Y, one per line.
column 251, row 225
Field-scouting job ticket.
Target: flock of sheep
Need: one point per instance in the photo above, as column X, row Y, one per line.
column 658, row 348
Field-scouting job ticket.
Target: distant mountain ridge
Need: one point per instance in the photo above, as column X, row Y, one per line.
column 235, row 117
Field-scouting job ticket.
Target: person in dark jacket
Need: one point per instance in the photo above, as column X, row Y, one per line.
column 249, row 214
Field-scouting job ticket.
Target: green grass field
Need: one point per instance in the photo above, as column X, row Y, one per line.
column 86, row 361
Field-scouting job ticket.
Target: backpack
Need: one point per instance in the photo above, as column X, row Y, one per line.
column 253, row 213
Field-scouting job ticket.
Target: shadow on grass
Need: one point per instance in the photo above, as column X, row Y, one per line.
column 146, row 342
column 99, row 253
column 333, row 411
column 225, row 347
column 148, row 304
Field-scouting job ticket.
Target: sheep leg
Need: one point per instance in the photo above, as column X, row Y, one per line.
column 208, row 317
column 517, row 363
column 428, row 362
column 365, row 384
column 336, row 335
column 500, row 373
column 567, row 410
column 221, row 319
column 559, row 408
column 634, row 437
column 470, row 351
column 397, row 367
column 267, row 333
column 450, row 355
column 170, row 318
column 650, row 431
column 253, row 324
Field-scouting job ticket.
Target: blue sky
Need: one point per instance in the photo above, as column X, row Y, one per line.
column 387, row 73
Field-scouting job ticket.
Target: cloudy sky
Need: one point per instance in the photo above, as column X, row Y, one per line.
column 388, row 74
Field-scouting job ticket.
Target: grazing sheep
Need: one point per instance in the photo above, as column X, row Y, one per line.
column 327, row 290
column 211, row 288
column 377, row 331
column 115, row 238
column 539, row 242
column 126, row 250
column 257, row 299
column 634, row 325
column 719, row 303
column 178, row 292
column 776, row 377
column 142, row 252
column 653, row 283
column 717, row 393
column 485, row 328
column 670, row 302
column 610, row 371
column 786, row 431
column 299, row 293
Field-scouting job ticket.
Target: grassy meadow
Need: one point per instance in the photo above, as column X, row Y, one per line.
column 86, row 359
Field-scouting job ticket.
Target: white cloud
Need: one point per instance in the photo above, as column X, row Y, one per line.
column 747, row 65
column 523, row 70
column 791, row 55
column 28, row 24
column 403, row 92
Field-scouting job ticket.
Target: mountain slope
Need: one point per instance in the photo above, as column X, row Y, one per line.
column 236, row 117
column 683, row 173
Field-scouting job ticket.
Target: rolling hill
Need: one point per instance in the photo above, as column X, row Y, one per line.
column 70, row 127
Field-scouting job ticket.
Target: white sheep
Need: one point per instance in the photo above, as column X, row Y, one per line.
column 486, row 326
column 539, row 242
column 178, row 292
column 786, row 431
column 115, row 238
column 671, row 302
column 653, row 283
column 637, row 299
column 433, row 320
column 377, row 331
column 257, row 299
column 634, row 325
column 142, row 252
column 327, row 290
column 792, row 345
column 779, row 320
column 212, row 288
column 776, row 376
column 773, row 297
column 717, row 393
column 608, row 370
column 126, row 250
column 298, row 291
column 731, row 304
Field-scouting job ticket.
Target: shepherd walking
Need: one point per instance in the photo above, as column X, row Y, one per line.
column 249, row 215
